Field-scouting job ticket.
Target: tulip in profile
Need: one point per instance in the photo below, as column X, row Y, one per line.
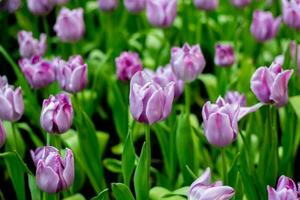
column 187, row 62
column 10, row 5
column 71, row 75
column 161, row 13
column 40, row 7
column 127, row 64
column 53, row 172
column 234, row 97
column 70, row 26
column 57, row 114
column 150, row 102
column 224, row 55
column 286, row 190
column 264, row 26
column 270, row 85
column 203, row 189
column 108, row 5
column 11, row 101
column 2, row 134
column 206, row 4
column 38, row 72
column 291, row 13
column 135, row 6
column 221, row 121
column 240, row 3
column 29, row 46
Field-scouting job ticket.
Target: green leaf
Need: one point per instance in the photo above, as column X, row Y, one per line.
column 157, row 193
column 34, row 190
column 75, row 197
column 37, row 142
column 179, row 192
column 113, row 165
column 128, row 159
column 211, row 85
column 295, row 102
column 121, row 192
column 141, row 178
column 101, row 196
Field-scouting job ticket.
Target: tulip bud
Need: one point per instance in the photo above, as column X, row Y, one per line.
column 203, row 189
column 149, row 102
column 108, row 5
column 291, row 13
column 69, row 26
column 135, row 6
column 29, row 46
column 10, row 5
column 240, row 3
column 264, row 27
column 221, row 121
column 164, row 76
column 53, row 173
column 187, row 62
column 234, row 97
column 71, row 75
column 2, row 134
column 286, row 189
column 161, row 13
column 224, row 55
column 57, row 114
column 128, row 63
column 270, row 85
column 40, row 7
column 206, row 4
column 11, row 101
column 38, row 72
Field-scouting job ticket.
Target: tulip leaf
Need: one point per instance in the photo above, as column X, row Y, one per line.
column 121, row 192
column 113, row 165
column 34, row 190
column 295, row 102
column 33, row 136
column 75, row 197
column 101, row 195
column 128, row 159
column 211, row 85
column 141, row 178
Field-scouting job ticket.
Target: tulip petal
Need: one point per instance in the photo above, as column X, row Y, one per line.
column 154, row 107
column 68, row 173
column 6, row 109
column 247, row 110
column 46, row 179
column 220, row 193
column 169, row 97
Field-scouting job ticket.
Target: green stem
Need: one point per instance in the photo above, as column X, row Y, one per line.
column 15, row 136
column 187, row 96
column 48, row 136
column 148, row 147
column 46, row 29
column 224, row 165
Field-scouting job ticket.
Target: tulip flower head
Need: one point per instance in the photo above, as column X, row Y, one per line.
column 2, row 134
column 57, row 114
column 234, row 97
column 161, row 13
column 286, row 189
column 150, row 102
column 29, row 46
column 264, row 26
column 11, row 101
column 38, row 72
column 71, row 75
column 135, row 6
column 53, row 172
column 187, row 62
column 40, row 7
column 10, row 5
column 207, row 5
column 108, row 5
column 240, row 3
column 221, row 121
column 270, row 85
column 127, row 64
column 224, row 55
column 70, row 26
column 203, row 189
column 291, row 13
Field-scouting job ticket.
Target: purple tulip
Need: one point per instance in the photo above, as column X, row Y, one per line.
column 10, row 5
column 293, row 53
column 108, row 5
column 150, row 102
column 291, row 13
column 40, row 7
column 270, row 85
column 11, row 101
column 53, row 173
column 29, row 46
column 70, row 26
column 187, row 62
column 234, row 97
column 286, row 190
column 2, row 134
column 240, row 3
column 127, row 64
column 206, row 4
column 164, row 75
column 57, row 114
column 203, row 189
column 71, row 75
column 135, row 6
column 38, row 72
column 161, row 13
column 224, row 55
column 264, row 26
column 221, row 121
